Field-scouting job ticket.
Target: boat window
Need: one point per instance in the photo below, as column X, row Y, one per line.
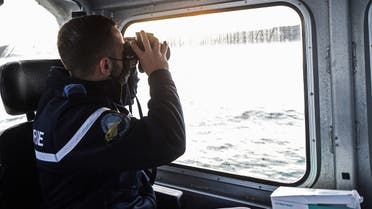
column 240, row 78
column 28, row 31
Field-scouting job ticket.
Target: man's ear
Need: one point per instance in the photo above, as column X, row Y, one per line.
column 105, row 66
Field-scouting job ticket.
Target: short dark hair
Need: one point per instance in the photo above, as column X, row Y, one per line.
column 83, row 40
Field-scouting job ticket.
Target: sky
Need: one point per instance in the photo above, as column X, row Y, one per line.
column 24, row 21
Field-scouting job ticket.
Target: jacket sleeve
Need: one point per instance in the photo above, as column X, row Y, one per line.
column 154, row 140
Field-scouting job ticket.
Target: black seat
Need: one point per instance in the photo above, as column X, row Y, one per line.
column 21, row 85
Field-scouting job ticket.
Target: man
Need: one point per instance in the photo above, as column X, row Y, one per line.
column 89, row 154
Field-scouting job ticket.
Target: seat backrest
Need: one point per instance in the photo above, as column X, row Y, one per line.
column 21, row 86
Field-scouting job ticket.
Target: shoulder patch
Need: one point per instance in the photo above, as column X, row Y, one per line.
column 114, row 124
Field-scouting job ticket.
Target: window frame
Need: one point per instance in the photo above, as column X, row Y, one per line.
column 311, row 115
column 368, row 69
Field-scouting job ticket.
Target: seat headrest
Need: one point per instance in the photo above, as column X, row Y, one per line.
column 22, row 84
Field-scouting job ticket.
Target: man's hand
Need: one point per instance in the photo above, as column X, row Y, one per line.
column 151, row 59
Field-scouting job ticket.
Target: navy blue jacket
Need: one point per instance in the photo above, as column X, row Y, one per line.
column 91, row 156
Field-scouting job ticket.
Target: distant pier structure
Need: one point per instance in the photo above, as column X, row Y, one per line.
column 275, row 34
column 269, row 35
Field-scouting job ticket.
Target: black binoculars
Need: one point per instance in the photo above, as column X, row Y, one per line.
column 129, row 54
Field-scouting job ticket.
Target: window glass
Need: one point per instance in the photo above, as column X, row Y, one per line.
column 28, row 31
column 240, row 77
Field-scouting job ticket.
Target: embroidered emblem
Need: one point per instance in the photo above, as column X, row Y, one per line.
column 113, row 125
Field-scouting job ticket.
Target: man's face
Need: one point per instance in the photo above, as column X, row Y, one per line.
column 118, row 71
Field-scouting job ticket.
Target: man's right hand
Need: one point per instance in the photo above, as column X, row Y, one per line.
column 151, row 59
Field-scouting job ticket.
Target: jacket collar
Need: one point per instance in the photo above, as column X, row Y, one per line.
column 104, row 88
